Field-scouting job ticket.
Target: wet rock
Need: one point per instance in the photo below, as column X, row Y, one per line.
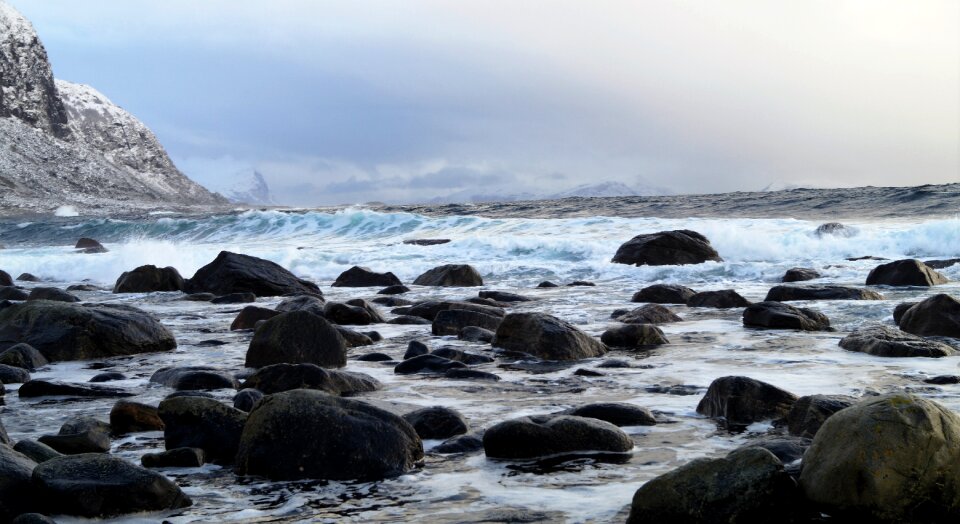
column 431, row 308
column 581, row 283
column 742, row 401
column 503, row 296
column 297, row 337
column 900, row 309
column 109, row 376
column 398, row 289
column 53, row 294
column 667, row 248
column 13, row 293
column 546, row 337
column 634, row 336
column 174, row 458
column 81, row 434
column 451, row 275
column 459, row 355
column 5, row 279
column 547, row 283
column 789, row 293
column 616, row 413
column 800, row 274
column 436, row 422
column 66, row 485
column 451, row 321
column 234, row 298
column 350, row 314
column 649, row 314
column 459, row 444
column 13, row 374
column 938, row 315
column 246, row 398
column 62, row 331
column 470, row 374
column 196, row 422
column 235, row 273
column 133, row 417
column 748, row 485
column 777, row 315
column 194, row 377
column 835, row 229
column 426, row 241
column 891, row 458
column 909, row 272
column 375, row 357
column 36, row 451
column 407, row 320
column 309, row 303
column 284, row 377
column 83, row 287
column 810, row 412
column 883, row 341
column 149, row 278
column 943, row 380
column 426, row 364
column 27, row 277
column 722, row 299
column 415, row 348
column 614, row 363
column 4, row 438
column 17, row 494
column 363, row 277
column 52, row 388
column 354, row 339
column 584, row 372
column 664, row 294
column 476, row 334
column 199, row 297
column 308, row 434
column 23, row 356
column 942, row 264
column 250, row 315
column 33, row 518
column 89, row 243
column 531, row 437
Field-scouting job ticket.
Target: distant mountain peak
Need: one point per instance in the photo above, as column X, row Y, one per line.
column 246, row 186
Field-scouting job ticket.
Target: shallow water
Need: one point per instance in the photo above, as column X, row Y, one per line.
column 513, row 254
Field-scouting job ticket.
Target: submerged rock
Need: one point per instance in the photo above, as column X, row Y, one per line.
column 616, row 413
column 436, row 422
column 358, row 276
column 52, row 294
column 938, row 315
column 800, row 274
column 236, row 273
column 634, row 336
column 789, row 293
column 835, row 229
column 741, row 401
column 149, row 278
column 667, row 248
column 883, row 341
column 503, row 296
column 451, row 275
column 722, row 299
column 909, row 272
column 539, row 436
column 664, row 294
column 426, row 364
column 53, row 388
column 13, row 293
column 398, row 289
column 194, row 378
column 777, row 315
column 297, row 337
column 546, row 337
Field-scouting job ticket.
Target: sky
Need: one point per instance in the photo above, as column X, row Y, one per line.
column 403, row 101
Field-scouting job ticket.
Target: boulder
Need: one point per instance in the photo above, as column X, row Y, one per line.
column 426, row 241
column 538, row 436
column 777, row 315
column 132, row 417
column 942, row 264
column 503, row 296
column 13, row 293
column 741, row 401
column 363, row 277
column 415, row 348
column 748, row 485
column 431, row 308
column 938, row 315
column 53, row 294
column 616, row 413
column 36, row 451
column 426, row 364
column 28, row 277
column 451, row 321
column 460, row 355
column 800, row 274
column 667, row 248
column 459, row 444
column 664, row 294
column 649, row 314
column 407, row 320
column 476, row 334
column 5, row 279
column 547, row 283
column 883, row 341
column 95, row 485
column 54, row 388
column 634, row 336
column 234, row 298
column 194, row 377
column 469, row 374
column 394, row 290
column 83, row 287
column 451, row 275
column 581, row 283
column 810, row 412
column 175, row 458
column 199, row 297
column 13, row 374
column 354, row 339
column 235, row 273
column 546, row 337
column 359, row 313
column 302, row 434
column 789, row 293
column 149, row 278
column 892, row 458
column 77, row 443
column 108, row 376
column 909, row 272
column 375, row 357
column 834, row 229
column 436, row 422
column 63, row 331
column 900, row 309
column 284, row 377
column 309, row 303
column 250, row 315
column 205, row 423
column 722, row 299
column 23, row 356
column 246, row 398
column 17, row 494
column 89, row 243
column 297, row 337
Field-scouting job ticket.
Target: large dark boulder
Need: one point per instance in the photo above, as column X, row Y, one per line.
column 616, row 413
column 883, row 341
column 431, row 308
column 810, row 412
column 309, row 303
column 789, row 293
column 800, row 274
column 664, row 294
column 235, row 273
column 297, row 337
column 149, row 278
column 352, row 313
column 777, row 315
column 741, row 401
column 302, row 434
column 452, row 321
column 747, row 486
column 205, row 423
column 23, row 356
column 36, row 451
column 546, row 337
column 538, row 436
column 96, row 485
column 649, row 314
column 53, row 294
column 17, row 494
column 667, row 248
column 89, row 245
column 250, row 315
column 64, row 331
column 892, row 458
column 634, row 336
column 900, row 309
column 132, row 417
column 13, row 374
column 451, row 275
column 722, row 299
column 284, row 377
column 938, row 315
column 436, row 422
column 363, row 277
column 13, row 293
column 5, row 279
column 909, row 272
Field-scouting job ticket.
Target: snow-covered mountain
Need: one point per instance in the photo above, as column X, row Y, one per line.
column 67, row 144
column 244, row 187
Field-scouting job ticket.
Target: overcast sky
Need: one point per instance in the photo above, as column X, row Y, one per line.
column 353, row 100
